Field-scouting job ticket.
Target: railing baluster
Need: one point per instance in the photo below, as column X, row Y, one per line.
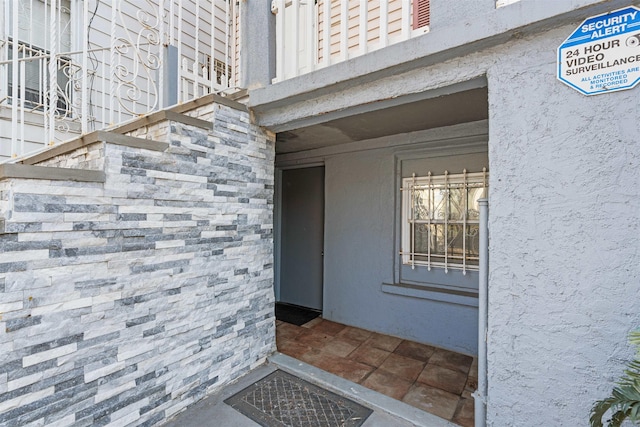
column 384, row 23
column 53, row 72
column 172, row 32
column 161, row 70
column 280, row 43
column 326, row 33
column 406, row 19
column 4, row 53
column 31, row 24
column 185, row 83
column 85, row 70
column 14, row 82
column 363, row 28
column 112, row 79
column 212, row 50
column 23, row 96
column 310, row 36
column 295, row 37
column 344, row 29
column 181, row 93
column 196, row 47
column 104, row 89
column 231, row 14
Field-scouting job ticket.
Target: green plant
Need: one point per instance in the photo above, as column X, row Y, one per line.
column 624, row 401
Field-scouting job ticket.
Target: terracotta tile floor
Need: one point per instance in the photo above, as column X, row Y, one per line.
column 429, row 378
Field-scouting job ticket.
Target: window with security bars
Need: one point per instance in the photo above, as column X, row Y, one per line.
column 440, row 220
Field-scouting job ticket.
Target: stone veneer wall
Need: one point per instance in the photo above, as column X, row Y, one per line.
column 123, row 302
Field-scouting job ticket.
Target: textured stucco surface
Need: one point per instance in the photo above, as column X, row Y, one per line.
column 447, row 13
column 564, row 266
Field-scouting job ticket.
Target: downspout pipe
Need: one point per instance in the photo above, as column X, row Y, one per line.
column 480, row 394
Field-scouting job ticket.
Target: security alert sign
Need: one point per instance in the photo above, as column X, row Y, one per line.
column 603, row 53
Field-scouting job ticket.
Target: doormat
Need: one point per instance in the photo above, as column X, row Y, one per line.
column 284, row 400
column 295, row 314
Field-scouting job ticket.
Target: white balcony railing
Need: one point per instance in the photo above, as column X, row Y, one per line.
column 73, row 66
column 306, row 40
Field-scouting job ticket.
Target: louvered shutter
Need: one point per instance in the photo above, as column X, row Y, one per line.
column 421, row 13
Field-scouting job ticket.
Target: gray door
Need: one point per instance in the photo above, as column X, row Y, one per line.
column 302, row 237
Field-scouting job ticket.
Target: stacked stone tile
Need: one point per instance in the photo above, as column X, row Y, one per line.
column 123, row 302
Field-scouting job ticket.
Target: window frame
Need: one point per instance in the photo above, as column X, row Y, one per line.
column 408, row 222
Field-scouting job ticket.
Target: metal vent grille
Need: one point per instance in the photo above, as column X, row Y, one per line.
column 421, row 13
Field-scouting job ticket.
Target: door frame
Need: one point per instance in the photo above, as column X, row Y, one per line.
column 277, row 226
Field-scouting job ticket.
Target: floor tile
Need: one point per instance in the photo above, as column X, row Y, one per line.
column 355, row 333
column 384, row 342
column 311, row 323
column 438, row 402
column 451, row 360
column 340, row 346
column 287, row 331
column 313, row 357
column 347, row 369
column 328, row 327
column 387, row 384
column 402, row 367
column 443, row 378
column 414, row 350
column 465, row 413
column 313, row 339
column 369, row 355
column 293, row 348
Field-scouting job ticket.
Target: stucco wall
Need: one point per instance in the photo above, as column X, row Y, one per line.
column 564, row 272
column 447, row 13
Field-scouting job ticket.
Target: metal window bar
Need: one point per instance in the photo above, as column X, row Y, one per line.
column 464, row 222
column 413, row 222
column 446, row 225
column 429, row 216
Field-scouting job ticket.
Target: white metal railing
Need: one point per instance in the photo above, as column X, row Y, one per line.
column 74, row 66
column 312, row 34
